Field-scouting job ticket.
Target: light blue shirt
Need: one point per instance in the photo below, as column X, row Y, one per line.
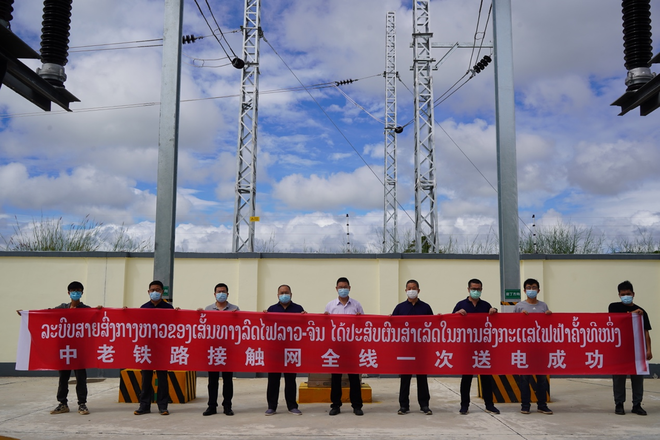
column 352, row 307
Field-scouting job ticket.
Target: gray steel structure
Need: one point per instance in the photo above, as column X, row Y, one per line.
column 390, row 229
column 426, row 220
column 246, row 169
column 507, row 173
column 168, row 145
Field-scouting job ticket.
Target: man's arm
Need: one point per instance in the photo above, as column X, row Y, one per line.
column 649, row 354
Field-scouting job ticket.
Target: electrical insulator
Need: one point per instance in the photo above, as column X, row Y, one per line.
column 189, row 39
column 238, row 63
column 344, row 82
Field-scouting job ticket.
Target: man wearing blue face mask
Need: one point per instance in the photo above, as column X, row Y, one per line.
column 156, row 301
column 533, row 305
column 75, row 290
column 626, row 305
column 221, row 293
column 344, row 305
column 474, row 304
column 284, row 305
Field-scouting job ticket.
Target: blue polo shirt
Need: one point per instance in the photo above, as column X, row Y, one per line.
column 291, row 308
column 481, row 307
column 161, row 305
column 408, row 308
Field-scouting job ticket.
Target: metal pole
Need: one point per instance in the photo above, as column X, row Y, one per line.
column 507, row 178
column 168, row 144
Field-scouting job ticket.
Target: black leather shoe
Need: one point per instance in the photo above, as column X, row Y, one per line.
column 141, row 411
column 228, row 412
column 334, row 411
column 426, row 410
column 210, row 411
column 619, row 409
column 637, row 409
column 358, row 412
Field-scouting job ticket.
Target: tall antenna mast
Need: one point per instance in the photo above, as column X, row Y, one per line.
column 426, row 220
column 246, row 170
column 390, row 234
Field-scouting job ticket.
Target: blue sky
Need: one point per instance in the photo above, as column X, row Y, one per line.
column 578, row 162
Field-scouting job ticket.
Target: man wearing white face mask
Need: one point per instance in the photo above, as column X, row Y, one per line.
column 413, row 306
column 147, row 392
column 344, row 305
column 533, row 305
column 474, row 304
column 220, row 293
column 284, row 305
column 626, row 305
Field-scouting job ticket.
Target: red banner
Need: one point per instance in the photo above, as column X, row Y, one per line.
column 505, row 343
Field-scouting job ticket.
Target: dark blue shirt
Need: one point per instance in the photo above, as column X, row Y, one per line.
column 481, row 307
column 291, row 308
column 161, row 305
column 408, row 308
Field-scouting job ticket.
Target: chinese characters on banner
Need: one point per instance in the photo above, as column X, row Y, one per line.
column 560, row 344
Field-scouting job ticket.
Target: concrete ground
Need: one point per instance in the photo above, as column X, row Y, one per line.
column 583, row 410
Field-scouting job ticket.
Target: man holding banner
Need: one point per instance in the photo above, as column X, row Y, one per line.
column 474, row 304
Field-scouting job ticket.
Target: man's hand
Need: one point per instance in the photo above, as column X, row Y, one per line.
column 492, row 311
column 525, row 312
column 548, row 312
column 638, row 311
column 19, row 312
column 462, row 312
column 649, row 355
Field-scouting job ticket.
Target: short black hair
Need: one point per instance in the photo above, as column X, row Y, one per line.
column 626, row 285
column 412, row 281
column 157, row 283
column 285, row 285
column 475, row 281
column 343, row 280
column 221, row 285
column 531, row 281
column 75, row 286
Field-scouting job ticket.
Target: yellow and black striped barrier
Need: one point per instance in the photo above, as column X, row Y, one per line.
column 183, row 386
column 506, row 390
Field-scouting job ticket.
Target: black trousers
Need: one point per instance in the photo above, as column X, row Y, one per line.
column 355, row 392
column 619, row 386
column 227, row 388
column 486, row 389
column 423, row 395
column 541, row 390
column 273, row 390
column 81, row 386
column 147, row 392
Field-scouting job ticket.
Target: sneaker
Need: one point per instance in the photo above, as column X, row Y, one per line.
column 403, row 411
column 524, row 410
column 270, row 412
column 637, row 409
column 491, row 409
column 463, row 410
column 210, row 411
column 82, row 409
column 426, row 410
column 358, row 412
column 334, row 411
column 61, row 409
column 228, row 412
column 295, row 411
column 544, row 410
column 141, row 411
column 619, row 409
column 164, row 412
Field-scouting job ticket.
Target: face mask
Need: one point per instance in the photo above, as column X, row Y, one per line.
column 285, row 298
column 412, row 294
column 343, row 293
column 75, row 295
column 155, row 296
column 627, row 299
column 531, row 293
column 475, row 294
column 221, row 297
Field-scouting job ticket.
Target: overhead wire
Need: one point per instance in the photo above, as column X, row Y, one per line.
column 211, row 29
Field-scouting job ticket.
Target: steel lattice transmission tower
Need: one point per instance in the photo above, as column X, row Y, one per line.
column 390, row 233
column 426, row 220
column 246, row 170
